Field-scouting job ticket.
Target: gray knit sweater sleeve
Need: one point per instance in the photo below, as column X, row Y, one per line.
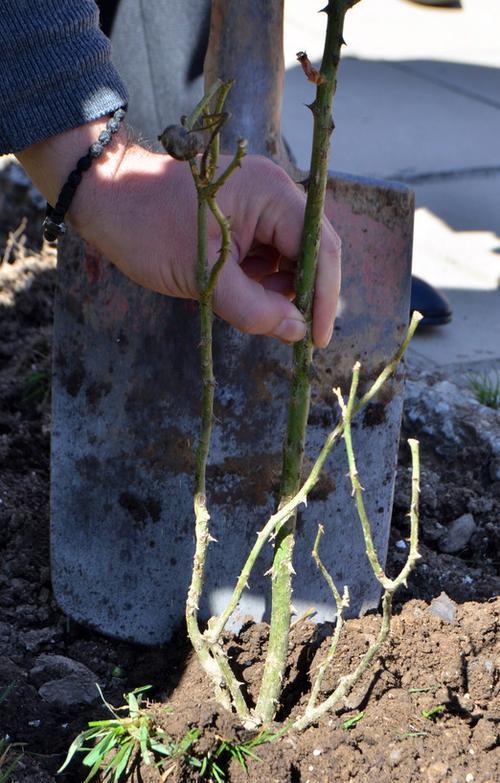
column 55, row 70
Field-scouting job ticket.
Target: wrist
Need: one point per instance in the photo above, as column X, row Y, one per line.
column 50, row 162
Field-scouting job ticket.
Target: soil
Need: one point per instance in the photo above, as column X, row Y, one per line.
column 443, row 652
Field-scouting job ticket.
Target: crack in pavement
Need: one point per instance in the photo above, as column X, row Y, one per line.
column 463, row 91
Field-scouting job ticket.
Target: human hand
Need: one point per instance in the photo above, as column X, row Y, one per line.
column 139, row 209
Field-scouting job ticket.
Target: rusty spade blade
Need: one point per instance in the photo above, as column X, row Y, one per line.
column 126, row 394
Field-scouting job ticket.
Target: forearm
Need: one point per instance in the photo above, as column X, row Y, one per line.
column 55, row 70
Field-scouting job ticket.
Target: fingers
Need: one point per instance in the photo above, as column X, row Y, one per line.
column 252, row 308
column 282, row 227
column 267, row 211
column 266, row 266
column 326, row 293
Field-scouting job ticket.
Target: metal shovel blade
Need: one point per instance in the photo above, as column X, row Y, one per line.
column 126, row 400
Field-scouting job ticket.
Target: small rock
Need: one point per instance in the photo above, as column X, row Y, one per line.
column 317, row 752
column 63, row 682
column 395, row 757
column 437, row 772
column 469, row 778
column 36, row 639
column 458, row 534
column 69, row 692
column 444, row 608
column 401, row 544
column 53, row 667
column 7, row 638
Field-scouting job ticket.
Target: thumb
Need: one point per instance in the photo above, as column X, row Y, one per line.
column 251, row 308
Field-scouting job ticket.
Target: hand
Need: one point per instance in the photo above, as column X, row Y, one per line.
column 139, row 209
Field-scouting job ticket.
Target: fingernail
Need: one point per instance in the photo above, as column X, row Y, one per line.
column 290, row 330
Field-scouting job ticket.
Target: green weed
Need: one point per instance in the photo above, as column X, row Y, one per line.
column 121, row 744
column 36, row 387
column 8, row 761
column 350, row 722
column 433, row 712
column 427, row 689
column 486, row 389
column 211, row 767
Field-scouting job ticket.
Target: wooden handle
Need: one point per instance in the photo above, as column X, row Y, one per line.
column 246, row 44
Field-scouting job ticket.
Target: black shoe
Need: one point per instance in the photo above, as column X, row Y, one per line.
column 440, row 3
column 431, row 303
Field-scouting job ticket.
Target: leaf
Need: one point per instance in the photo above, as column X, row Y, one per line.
column 217, row 772
column 188, row 739
column 143, row 739
column 100, row 751
column 350, row 722
column 133, row 704
column 121, row 759
column 424, row 690
column 93, row 772
column 434, row 711
column 159, row 747
column 250, row 753
column 7, row 691
column 109, row 706
column 73, row 748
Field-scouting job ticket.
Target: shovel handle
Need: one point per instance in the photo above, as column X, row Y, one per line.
column 246, row 44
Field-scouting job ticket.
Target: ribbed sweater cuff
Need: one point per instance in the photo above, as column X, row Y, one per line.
column 55, row 70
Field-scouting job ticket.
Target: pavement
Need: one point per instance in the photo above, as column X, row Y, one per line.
column 418, row 101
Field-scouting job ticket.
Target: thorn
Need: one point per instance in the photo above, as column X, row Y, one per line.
column 291, row 570
column 342, row 41
column 211, row 538
column 269, row 572
column 305, row 501
column 312, row 106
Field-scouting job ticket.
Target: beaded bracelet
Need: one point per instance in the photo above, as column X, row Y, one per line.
column 54, row 226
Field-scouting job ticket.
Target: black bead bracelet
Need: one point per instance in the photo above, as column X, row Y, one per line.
column 54, row 226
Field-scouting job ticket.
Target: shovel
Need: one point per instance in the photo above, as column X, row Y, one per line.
column 126, row 399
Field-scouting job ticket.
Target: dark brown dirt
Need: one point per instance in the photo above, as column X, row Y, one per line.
column 427, row 662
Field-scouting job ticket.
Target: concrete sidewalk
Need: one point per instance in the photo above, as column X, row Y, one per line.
column 419, row 101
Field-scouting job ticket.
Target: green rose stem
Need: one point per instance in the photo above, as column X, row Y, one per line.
column 298, row 409
column 212, row 659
